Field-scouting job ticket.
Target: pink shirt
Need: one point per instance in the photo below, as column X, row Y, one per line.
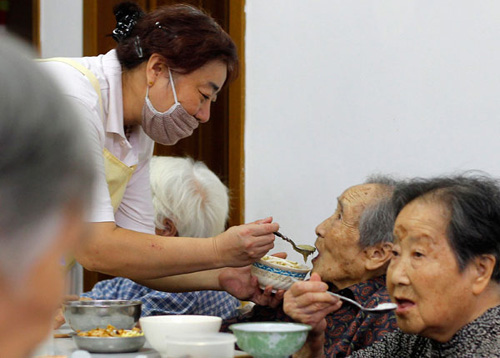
column 106, row 131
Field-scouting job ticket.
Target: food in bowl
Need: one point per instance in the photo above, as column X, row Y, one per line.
column 110, row 340
column 111, row 331
column 281, row 262
column 87, row 315
column 270, row 339
column 157, row 328
column 278, row 273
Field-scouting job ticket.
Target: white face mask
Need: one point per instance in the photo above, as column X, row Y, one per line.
column 168, row 127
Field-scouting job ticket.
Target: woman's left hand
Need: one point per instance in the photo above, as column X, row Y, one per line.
column 240, row 283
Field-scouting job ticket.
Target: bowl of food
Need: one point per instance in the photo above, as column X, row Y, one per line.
column 158, row 328
column 277, row 272
column 88, row 315
column 110, row 340
column 270, row 339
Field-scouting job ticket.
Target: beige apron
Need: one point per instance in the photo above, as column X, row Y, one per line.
column 117, row 173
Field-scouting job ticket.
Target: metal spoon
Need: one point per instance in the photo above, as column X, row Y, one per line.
column 304, row 250
column 381, row 308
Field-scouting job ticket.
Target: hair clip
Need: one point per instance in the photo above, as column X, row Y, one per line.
column 124, row 26
column 166, row 30
column 138, row 47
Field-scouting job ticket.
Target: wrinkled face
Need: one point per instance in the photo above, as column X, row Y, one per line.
column 434, row 299
column 195, row 91
column 339, row 259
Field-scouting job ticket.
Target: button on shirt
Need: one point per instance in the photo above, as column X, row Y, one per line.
column 106, row 131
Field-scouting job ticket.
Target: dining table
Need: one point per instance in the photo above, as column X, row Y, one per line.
column 61, row 345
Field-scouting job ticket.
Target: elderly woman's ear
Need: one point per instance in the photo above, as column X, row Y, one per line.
column 170, row 230
column 378, row 256
column 482, row 267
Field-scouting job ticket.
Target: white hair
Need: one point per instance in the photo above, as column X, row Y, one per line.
column 44, row 163
column 191, row 195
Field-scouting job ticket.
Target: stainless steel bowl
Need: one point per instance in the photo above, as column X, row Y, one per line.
column 87, row 315
column 109, row 344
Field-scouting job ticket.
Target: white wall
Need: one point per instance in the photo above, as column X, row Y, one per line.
column 337, row 90
column 61, row 28
column 61, row 35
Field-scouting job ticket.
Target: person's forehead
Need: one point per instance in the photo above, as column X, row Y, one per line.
column 360, row 194
column 422, row 219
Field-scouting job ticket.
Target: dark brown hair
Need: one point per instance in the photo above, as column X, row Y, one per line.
column 185, row 36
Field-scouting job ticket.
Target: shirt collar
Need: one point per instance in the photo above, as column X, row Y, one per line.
column 362, row 291
column 113, row 72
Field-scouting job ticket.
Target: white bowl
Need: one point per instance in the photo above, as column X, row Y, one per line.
column 213, row 345
column 157, row 328
column 278, row 272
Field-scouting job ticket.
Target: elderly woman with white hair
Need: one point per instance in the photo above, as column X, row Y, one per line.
column 445, row 272
column 45, row 174
column 189, row 201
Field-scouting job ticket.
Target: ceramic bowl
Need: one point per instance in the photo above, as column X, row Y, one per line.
column 213, row 345
column 87, row 315
column 270, row 339
column 277, row 272
column 158, row 328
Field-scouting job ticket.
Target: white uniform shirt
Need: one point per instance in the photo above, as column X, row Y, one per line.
column 136, row 210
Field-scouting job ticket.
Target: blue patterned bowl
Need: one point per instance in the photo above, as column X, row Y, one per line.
column 270, row 339
column 277, row 272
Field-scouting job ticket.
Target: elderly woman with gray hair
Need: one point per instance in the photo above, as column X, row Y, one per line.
column 354, row 248
column 45, row 174
column 445, row 271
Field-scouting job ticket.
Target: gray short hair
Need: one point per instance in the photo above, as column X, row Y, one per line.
column 44, row 162
column 377, row 220
column 473, row 200
column 191, row 195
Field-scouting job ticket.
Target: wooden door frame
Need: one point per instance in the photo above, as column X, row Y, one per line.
column 36, row 26
column 237, row 116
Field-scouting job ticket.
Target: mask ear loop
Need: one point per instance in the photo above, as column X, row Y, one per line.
column 173, row 86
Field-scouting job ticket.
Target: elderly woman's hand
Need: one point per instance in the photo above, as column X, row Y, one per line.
column 307, row 302
column 245, row 244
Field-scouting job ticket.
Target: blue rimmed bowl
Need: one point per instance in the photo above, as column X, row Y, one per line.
column 279, row 273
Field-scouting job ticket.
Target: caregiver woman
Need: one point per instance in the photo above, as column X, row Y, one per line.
column 156, row 86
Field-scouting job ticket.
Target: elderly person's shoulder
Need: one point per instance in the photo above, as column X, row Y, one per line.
column 480, row 338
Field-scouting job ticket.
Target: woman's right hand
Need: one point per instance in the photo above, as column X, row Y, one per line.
column 244, row 244
column 307, row 302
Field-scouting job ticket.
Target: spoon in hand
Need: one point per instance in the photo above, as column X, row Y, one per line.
column 381, row 308
column 304, row 250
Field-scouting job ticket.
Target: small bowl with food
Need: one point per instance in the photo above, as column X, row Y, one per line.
column 110, row 340
column 278, row 273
